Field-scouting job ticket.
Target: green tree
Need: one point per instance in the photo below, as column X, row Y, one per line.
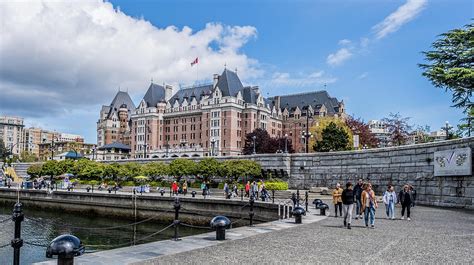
column 3, row 150
column 51, row 168
column 35, row 170
column 233, row 169
column 208, row 168
column 28, row 157
column 181, row 167
column 451, row 64
column 466, row 127
column 155, row 170
column 111, row 171
column 92, row 171
column 129, row 170
column 67, row 166
column 334, row 138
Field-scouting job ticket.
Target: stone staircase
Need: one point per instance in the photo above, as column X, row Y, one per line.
column 21, row 169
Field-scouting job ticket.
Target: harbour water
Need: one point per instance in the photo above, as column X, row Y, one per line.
column 40, row 227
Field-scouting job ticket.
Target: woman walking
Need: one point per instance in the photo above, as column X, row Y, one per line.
column 389, row 199
column 336, row 199
column 405, row 198
column 369, row 204
column 348, row 204
column 247, row 189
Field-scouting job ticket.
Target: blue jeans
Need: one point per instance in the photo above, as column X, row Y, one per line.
column 369, row 213
column 358, row 206
column 390, row 210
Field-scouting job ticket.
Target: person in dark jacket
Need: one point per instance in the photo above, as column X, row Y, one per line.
column 405, row 197
column 348, row 204
column 357, row 197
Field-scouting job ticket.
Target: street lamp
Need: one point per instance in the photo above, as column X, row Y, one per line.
column 307, row 134
column 213, row 142
column 253, row 139
column 51, row 148
column 447, row 127
column 286, row 143
column 93, row 152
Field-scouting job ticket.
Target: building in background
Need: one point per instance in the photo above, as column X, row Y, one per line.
column 11, row 132
column 439, row 135
column 379, row 129
column 114, row 124
column 60, row 150
column 33, row 137
column 208, row 120
column 67, row 137
column 112, row 152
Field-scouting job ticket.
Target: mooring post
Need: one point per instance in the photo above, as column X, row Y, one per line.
column 252, row 200
column 17, row 242
column 177, row 206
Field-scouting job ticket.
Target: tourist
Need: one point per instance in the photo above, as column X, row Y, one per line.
column 203, row 188
column 185, row 188
column 405, row 197
column 336, row 199
column 369, row 204
column 389, row 199
column 357, row 193
column 348, row 204
column 413, row 192
column 226, row 191
column 247, row 189
column 254, row 189
column 235, row 190
column 174, row 188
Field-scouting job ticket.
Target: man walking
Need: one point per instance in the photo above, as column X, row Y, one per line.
column 357, row 194
column 348, row 204
column 406, row 199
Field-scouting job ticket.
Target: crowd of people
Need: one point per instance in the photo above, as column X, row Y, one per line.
column 363, row 197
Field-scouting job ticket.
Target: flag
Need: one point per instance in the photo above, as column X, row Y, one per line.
column 195, row 61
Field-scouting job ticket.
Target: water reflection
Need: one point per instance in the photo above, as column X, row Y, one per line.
column 40, row 227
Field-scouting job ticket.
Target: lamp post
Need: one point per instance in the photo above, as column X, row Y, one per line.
column 51, row 148
column 254, row 148
column 447, row 127
column 213, row 142
column 307, row 134
column 286, row 143
column 147, row 130
column 93, row 152
column 167, row 148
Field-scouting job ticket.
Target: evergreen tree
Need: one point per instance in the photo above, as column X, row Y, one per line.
column 334, row 138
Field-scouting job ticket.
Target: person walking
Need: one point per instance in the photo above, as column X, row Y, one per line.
column 405, row 197
column 247, row 189
column 357, row 194
column 174, row 188
column 348, row 204
column 203, row 188
column 226, row 191
column 369, row 204
column 185, row 188
column 389, row 199
column 413, row 193
column 336, row 199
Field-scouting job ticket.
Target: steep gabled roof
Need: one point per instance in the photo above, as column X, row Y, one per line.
column 154, row 94
column 249, row 95
column 115, row 145
column 190, row 92
column 315, row 99
column 229, row 83
column 121, row 98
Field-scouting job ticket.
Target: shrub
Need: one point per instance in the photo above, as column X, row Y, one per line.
column 196, row 185
column 277, row 185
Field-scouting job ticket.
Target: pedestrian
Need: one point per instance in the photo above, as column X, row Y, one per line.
column 336, row 199
column 254, row 189
column 247, row 189
column 369, row 204
column 174, row 188
column 348, row 204
column 203, row 188
column 405, row 197
column 357, row 194
column 389, row 199
column 226, row 191
column 413, row 192
column 185, row 188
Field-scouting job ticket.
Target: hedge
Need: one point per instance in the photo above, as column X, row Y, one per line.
column 277, row 185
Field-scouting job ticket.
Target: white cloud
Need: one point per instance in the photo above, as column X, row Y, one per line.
column 363, row 75
column 61, row 55
column 339, row 57
column 401, row 16
column 284, row 79
column 344, row 42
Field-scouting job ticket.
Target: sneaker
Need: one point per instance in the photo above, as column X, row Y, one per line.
column 408, row 219
column 402, row 218
column 393, row 218
column 345, row 223
column 349, row 226
column 367, row 225
column 372, row 227
column 357, row 217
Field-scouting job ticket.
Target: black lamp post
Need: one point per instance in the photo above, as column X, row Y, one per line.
column 254, row 148
column 286, row 143
column 447, row 127
column 307, row 134
column 213, row 142
column 93, row 152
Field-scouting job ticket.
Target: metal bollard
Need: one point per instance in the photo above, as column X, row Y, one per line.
column 279, row 212
column 241, row 194
column 220, row 223
column 162, row 191
column 286, row 211
column 193, row 193
column 273, row 196
column 298, row 212
column 92, row 188
column 306, row 201
column 252, row 200
column 17, row 242
column 170, row 192
column 66, row 247
column 176, row 206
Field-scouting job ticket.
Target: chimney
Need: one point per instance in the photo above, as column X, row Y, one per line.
column 216, row 78
column 168, row 92
column 276, row 100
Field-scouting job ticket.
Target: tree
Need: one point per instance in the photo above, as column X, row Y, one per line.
column 51, row 168
column 129, row 170
column 264, row 144
column 92, row 171
column 182, row 167
column 398, row 128
column 28, row 157
column 233, row 169
column 35, row 170
column 208, row 168
column 111, row 171
column 278, row 144
column 333, row 138
column 323, row 122
column 359, row 127
column 155, row 170
column 67, row 166
column 3, row 150
column 451, row 64
column 466, row 128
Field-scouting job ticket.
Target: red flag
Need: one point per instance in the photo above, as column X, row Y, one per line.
column 195, row 61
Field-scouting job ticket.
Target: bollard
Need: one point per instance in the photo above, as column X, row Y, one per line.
column 220, row 223
column 252, row 200
column 162, row 191
column 241, row 194
column 92, row 188
column 17, row 242
column 317, row 202
column 88, row 189
column 306, row 201
column 297, row 197
column 193, row 193
column 273, row 196
column 322, row 209
column 293, row 198
column 279, row 211
column 109, row 190
column 176, row 206
column 66, row 247
column 170, row 192
column 286, row 210
column 298, row 212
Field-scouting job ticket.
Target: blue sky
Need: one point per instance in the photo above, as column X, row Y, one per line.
column 366, row 52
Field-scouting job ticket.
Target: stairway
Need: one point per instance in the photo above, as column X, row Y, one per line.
column 21, row 169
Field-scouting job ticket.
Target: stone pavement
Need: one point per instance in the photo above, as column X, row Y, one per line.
column 433, row 236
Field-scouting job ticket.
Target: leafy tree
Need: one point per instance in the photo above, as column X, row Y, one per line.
column 181, row 167
column 35, row 170
column 92, row 171
column 322, row 123
column 359, row 127
column 233, row 169
column 67, row 166
column 155, row 170
column 51, row 168
column 451, row 64
column 466, row 128
column 28, row 157
column 4, row 152
column 208, row 168
column 264, row 144
column 398, row 128
column 278, row 144
column 334, row 138
column 112, row 170
column 129, row 170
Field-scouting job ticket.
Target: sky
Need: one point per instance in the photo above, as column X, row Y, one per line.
column 60, row 61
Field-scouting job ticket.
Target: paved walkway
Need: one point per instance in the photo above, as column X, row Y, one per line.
column 434, row 236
